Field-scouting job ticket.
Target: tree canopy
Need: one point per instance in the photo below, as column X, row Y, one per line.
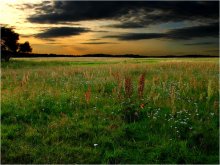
column 10, row 45
column 9, row 39
column 25, row 47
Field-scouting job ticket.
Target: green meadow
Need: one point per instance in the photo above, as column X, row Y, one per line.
column 110, row 110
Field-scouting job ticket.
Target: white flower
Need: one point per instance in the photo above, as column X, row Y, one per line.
column 95, row 145
column 211, row 114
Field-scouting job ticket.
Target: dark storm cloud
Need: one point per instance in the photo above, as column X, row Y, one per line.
column 62, row 32
column 65, row 11
column 43, row 7
column 98, row 43
column 128, row 25
column 144, row 13
column 94, row 39
column 210, row 30
column 187, row 33
column 201, row 43
column 100, row 31
column 136, row 36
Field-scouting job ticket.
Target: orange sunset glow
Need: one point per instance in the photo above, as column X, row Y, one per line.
column 83, row 30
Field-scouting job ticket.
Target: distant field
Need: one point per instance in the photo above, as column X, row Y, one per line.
column 110, row 110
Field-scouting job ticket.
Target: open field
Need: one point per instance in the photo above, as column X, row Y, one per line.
column 110, row 110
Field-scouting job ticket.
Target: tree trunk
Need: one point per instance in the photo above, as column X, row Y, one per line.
column 5, row 56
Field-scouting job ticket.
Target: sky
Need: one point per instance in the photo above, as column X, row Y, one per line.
column 151, row 28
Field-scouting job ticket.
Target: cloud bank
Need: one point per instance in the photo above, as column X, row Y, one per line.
column 187, row 33
column 132, row 14
column 55, row 32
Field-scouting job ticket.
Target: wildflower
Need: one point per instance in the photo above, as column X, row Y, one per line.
column 136, row 114
column 128, row 87
column 141, row 86
column 211, row 114
column 142, row 106
column 95, row 145
column 88, row 95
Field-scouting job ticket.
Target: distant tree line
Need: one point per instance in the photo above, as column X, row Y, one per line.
column 10, row 45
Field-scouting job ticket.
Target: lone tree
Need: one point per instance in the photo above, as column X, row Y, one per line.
column 9, row 42
column 25, row 47
column 10, row 45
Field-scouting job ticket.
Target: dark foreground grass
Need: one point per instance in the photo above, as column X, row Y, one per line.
column 61, row 113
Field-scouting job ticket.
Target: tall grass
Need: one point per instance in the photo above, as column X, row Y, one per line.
column 133, row 111
column 128, row 87
column 141, row 86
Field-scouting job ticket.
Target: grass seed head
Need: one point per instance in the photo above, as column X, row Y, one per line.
column 209, row 90
column 141, row 86
column 88, row 95
column 128, row 87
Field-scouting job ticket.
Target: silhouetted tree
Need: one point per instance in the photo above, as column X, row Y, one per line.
column 25, row 47
column 9, row 42
column 10, row 45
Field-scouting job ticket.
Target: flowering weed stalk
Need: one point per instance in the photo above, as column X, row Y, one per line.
column 141, row 85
